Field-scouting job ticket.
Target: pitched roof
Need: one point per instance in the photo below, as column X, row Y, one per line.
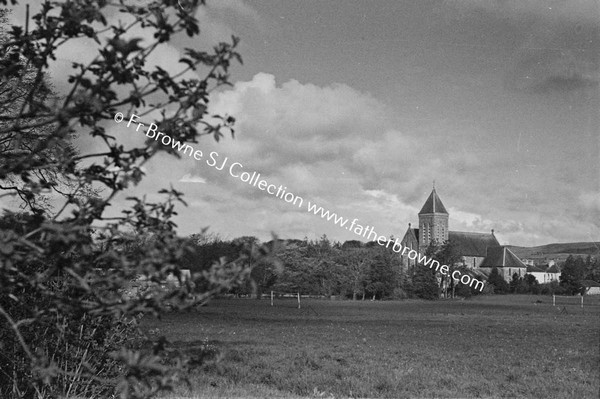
column 553, row 269
column 501, row 257
column 590, row 283
column 533, row 269
column 415, row 233
column 472, row 244
column 433, row 204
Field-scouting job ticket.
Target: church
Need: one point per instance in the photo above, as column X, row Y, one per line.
column 479, row 252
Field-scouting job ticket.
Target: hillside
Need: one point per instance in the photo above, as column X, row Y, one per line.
column 557, row 251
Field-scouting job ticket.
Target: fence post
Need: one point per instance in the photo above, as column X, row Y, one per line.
column 553, row 300
column 298, row 300
column 271, row 298
column 582, row 302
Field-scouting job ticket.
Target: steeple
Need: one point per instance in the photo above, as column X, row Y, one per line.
column 433, row 221
column 433, row 204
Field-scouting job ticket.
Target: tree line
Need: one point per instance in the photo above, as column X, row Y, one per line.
column 350, row 270
column 357, row 270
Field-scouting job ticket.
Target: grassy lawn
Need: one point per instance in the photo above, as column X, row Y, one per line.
column 499, row 346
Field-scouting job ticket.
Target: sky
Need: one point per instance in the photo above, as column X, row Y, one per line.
column 358, row 106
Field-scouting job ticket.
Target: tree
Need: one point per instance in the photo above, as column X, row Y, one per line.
column 500, row 285
column 425, row 284
column 264, row 273
column 592, row 266
column 533, row 286
column 447, row 254
column 382, row 274
column 518, row 285
column 63, row 269
column 18, row 79
column 356, row 261
column 572, row 274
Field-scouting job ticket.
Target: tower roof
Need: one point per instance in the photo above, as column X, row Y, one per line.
column 433, row 204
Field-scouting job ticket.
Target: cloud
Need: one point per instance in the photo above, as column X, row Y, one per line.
column 557, row 47
column 237, row 6
column 189, row 178
column 573, row 10
column 554, row 59
column 590, row 203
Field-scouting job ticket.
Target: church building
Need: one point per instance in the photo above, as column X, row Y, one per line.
column 478, row 251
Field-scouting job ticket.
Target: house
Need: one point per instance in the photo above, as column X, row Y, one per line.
column 590, row 287
column 553, row 273
column 546, row 275
column 538, row 273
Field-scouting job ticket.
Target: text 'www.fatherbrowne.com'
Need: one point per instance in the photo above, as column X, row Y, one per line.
column 253, row 178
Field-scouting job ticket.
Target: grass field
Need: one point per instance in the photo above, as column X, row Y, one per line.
column 495, row 346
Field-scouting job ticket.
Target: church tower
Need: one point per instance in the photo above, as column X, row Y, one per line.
column 433, row 222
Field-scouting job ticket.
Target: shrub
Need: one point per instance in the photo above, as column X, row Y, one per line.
column 67, row 329
column 496, row 280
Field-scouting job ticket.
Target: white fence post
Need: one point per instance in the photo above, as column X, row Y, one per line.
column 553, row 300
column 298, row 300
column 271, row 298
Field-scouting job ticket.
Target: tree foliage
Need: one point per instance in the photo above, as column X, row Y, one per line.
column 67, row 329
column 572, row 274
column 500, row 285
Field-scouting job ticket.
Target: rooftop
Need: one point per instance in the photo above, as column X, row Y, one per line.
column 501, row 257
column 433, row 204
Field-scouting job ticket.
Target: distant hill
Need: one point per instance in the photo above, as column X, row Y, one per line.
column 558, row 252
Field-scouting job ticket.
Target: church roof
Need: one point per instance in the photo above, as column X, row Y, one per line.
column 472, row 244
column 433, row 204
column 501, row 257
column 415, row 233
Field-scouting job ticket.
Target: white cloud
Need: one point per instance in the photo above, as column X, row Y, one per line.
column 189, row 178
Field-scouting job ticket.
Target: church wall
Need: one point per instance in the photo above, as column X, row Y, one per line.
column 472, row 262
column 506, row 272
column 409, row 242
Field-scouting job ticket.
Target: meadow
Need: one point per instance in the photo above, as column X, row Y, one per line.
column 489, row 346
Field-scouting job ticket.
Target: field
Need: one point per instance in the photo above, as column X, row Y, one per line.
column 495, row 346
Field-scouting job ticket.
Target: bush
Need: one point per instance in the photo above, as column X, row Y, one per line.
column 463, row 291
column 552, row 288
column 66, row 328
column 497, row 281
column 425, row 285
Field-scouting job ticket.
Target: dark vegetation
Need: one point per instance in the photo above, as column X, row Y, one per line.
column 352, row 270
column 66, row 327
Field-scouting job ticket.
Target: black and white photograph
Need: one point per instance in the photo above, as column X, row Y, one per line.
column 299, row 199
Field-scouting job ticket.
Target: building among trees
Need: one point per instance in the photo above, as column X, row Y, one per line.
column 479, row 252
column 544, row 274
